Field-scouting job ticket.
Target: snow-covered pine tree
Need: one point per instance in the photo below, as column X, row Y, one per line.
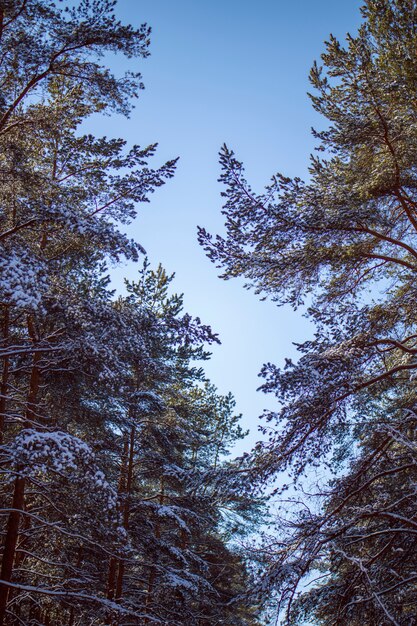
column 62, row 196
column 346, row 240
column 116, row 503
column 180, row 496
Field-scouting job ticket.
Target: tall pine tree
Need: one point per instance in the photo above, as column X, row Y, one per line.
column 346, row 240
column 115, row 494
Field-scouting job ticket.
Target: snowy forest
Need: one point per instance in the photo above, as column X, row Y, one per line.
column 122, row 501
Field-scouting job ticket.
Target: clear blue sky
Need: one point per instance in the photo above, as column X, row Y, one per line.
column 231, row 71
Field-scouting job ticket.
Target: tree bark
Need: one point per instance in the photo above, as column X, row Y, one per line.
column 126, row 508
column 111, row 579
column 18, row 502
column 12, row 534
column 152, row 573
column 5, row 374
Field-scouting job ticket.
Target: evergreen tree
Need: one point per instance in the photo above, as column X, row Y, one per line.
column 181, row 489
column 115, row 491
column 346, row 240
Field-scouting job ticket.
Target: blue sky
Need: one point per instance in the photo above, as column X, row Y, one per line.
column 229, row 71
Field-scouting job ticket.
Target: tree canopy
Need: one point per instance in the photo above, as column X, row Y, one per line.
column 119, row 503
column 343, row 243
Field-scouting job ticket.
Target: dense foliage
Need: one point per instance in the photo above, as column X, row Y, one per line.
column 345, row 242
column 118, row 503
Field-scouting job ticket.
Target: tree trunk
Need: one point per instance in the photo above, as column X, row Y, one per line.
column 12, row 534
column 152, row 573
column 12, row 531
column 34, row 380
column 5, row 374
column 111, row 579
column 78, row 565
column 126, row 508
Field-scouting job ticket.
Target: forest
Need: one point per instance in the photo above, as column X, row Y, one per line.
column 122, row 501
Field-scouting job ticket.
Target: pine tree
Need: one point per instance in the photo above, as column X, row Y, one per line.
column 181, row 485
column 345, row 242
column 115, row 493
column 62, row 194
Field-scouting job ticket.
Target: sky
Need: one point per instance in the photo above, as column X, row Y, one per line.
column 234, row 72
